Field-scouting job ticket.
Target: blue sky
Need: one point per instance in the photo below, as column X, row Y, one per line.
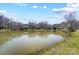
column 37, row 12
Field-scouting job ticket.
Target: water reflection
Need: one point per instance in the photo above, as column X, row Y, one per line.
column 29, row 43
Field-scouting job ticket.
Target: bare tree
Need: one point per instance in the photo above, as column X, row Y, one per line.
column 44, row 25
column 1, row 21
column 32, row 25
column 71, row 21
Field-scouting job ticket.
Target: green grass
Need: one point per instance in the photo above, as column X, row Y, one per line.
column 70, row 46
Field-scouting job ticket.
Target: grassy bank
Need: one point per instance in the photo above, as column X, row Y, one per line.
column 69, row 46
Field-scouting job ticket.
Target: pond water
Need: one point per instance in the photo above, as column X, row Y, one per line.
column 27, row 43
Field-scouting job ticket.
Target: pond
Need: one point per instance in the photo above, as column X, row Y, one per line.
column 26, row 43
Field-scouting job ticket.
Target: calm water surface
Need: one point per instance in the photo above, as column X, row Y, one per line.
column 27, row 43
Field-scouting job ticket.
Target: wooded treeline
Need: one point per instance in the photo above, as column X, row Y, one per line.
column 71, row 24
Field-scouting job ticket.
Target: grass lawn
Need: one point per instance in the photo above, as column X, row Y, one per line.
column 69, row 46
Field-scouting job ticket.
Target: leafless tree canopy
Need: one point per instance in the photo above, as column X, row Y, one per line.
column 71, row 24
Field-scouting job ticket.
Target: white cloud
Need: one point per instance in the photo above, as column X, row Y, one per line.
column 35, row 6
column 71, row 7
column 44, row 7
column 21, row 4
column 65, row 10
column 3, row 12
column 54, row 17
column 11, row 15
column 6, row 13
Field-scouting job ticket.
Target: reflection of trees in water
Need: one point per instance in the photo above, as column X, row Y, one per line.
column 5, row 36
column 40, row 34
